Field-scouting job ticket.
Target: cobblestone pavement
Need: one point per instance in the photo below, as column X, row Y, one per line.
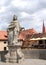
column 27, row 62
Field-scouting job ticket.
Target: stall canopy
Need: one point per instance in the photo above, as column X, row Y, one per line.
column 43, row 38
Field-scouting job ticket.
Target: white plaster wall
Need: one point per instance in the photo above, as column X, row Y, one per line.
column 2, row 45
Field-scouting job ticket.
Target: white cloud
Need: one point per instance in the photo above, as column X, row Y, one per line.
column 2, row 9
column 24, row 15
column 2, row 2
column 24, row 4
column 30, row 12
column 39, row 15
column 36, row 19
column 3, row 25
column 19, row 3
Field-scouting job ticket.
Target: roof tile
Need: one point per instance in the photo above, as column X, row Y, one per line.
column 3, row 35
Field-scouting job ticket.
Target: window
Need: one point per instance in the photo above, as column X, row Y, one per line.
column 4, row 48
column 40, row 42
column 6, row 36
column 5, row 42
column 45, row 41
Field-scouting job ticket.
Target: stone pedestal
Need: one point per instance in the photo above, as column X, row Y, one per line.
column 14, row 55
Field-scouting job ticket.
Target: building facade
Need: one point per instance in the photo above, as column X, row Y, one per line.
column 3, row 45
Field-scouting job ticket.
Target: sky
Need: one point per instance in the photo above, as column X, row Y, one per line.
column 30, row 13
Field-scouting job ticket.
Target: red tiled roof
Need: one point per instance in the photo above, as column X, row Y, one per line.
column 27, row 32
column 3, row 35
column 45, row 30
column 39, row 35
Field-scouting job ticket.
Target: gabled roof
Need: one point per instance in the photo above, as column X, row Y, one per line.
column 26, row 32
column 39, row 35
column 3, row 35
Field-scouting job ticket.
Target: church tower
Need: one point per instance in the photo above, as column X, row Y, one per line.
column 43, row 29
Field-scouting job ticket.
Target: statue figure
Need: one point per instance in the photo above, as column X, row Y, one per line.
column 14, row 31
column 14, row 45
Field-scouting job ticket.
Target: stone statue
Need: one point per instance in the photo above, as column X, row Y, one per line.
column 14, row 29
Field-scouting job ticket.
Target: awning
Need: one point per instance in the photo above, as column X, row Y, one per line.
column 43, row 38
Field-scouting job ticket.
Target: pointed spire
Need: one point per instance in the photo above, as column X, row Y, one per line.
column 43, row 27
